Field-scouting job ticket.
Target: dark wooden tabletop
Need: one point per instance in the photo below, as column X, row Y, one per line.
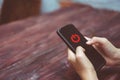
column 31, row 50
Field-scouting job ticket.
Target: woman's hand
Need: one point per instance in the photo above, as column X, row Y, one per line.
column 107, row 50
column 82, row 65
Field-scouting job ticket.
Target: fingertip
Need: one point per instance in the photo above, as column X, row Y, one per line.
column 71, row 56
column 87, row 38
column 79, row 48
column 92, row 41
column 88, row 42
column 69, row 51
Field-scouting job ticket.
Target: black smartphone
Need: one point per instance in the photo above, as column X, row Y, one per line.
column 73, row 38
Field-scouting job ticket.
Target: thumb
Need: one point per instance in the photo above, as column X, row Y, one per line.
column 82, row 58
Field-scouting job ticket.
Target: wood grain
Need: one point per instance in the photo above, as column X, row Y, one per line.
column 31, row 50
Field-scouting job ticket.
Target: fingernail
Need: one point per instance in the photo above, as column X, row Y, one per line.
column 79, row 48
column 88, row 42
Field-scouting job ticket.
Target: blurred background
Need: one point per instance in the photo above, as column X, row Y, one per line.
column 12, row 10
column 49, row 6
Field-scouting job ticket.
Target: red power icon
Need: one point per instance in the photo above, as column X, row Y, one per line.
column 75, row 38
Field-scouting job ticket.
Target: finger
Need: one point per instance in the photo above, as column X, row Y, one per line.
column 84, row 66
column 98, row 43
column 101, row 43
column 82, row 58
column 97, row 40
column 80, row 52
column 71, row 56
column 87, row 38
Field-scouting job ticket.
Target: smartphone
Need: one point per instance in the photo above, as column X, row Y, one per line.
column 73, row 38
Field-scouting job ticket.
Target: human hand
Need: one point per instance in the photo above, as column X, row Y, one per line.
column 106, row 49
column 82, row 64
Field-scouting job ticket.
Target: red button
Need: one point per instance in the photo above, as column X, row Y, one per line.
column 75, row 38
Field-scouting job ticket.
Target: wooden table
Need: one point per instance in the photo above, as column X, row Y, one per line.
column 31, row 50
